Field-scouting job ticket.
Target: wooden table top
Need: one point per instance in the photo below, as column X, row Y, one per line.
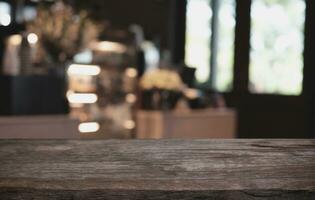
column 157, row 169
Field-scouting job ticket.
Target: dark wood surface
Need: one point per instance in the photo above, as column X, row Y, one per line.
column 164, row 169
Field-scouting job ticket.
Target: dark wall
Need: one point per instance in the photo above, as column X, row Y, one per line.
column 152, row 15
column 162, row 20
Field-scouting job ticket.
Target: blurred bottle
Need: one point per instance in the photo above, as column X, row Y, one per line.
column 11, row 59
column 25, row 56
column 139, row 39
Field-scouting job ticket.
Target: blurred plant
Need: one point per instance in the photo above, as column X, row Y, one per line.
column 62, row 32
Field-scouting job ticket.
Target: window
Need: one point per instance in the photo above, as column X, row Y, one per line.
column 29, row 13
column 5, row 14
column 226, row 37
column 276, row 64
column 198, row 36
column 200, row 16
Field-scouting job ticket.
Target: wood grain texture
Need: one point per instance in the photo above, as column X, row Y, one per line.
column 157, row 169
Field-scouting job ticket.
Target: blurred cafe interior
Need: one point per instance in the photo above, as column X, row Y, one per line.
column 157, row 69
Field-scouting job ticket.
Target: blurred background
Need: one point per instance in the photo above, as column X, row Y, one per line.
column 153, row 69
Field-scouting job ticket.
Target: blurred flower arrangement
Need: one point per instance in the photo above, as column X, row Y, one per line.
column 162, row 79
column 161, row 89
column 62, row 32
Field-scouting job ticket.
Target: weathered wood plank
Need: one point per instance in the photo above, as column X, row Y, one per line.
column 157, row 169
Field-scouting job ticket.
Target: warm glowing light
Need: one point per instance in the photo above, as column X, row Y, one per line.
column 82, row 98
column 89, row 127
column 5, row 19
column 32, row 38
column 131, row 98
column 131, row 72
column 15, row 40
column 109, row 46
column 77, row 105
column 87, row 70
column 191, row 93
column 129, row 124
